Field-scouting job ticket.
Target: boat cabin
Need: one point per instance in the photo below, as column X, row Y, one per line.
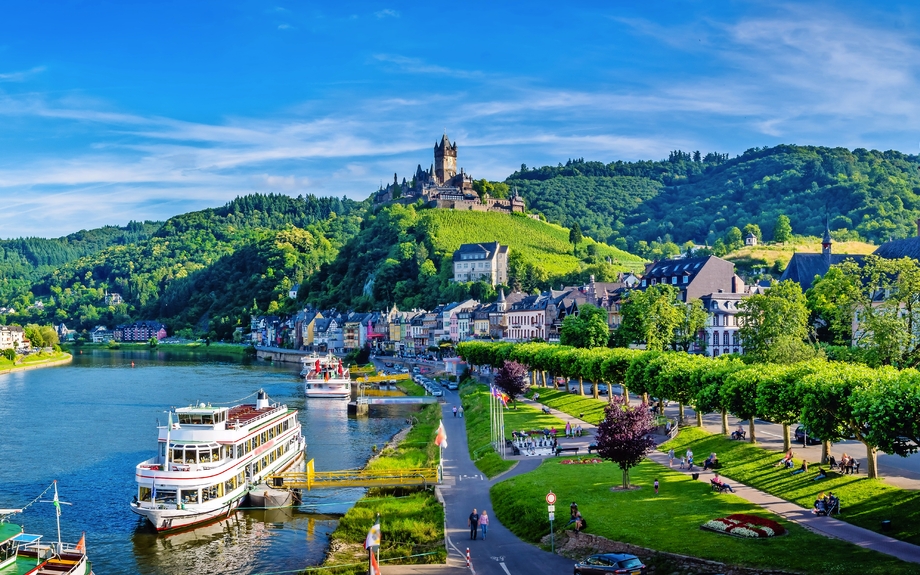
column 202, row 415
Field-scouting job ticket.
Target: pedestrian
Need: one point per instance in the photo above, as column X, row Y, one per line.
column 573, row 511
column 460, row 412
column 671, row 457
column 484, row 523
column 656, row 487
column 568, row 429
column 474, row 524
column 689, row 454
column 455, row 411
column 683, row 462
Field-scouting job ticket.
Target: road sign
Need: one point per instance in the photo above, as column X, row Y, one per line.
column 551, row 508
column 550, row 498
column 552, row 516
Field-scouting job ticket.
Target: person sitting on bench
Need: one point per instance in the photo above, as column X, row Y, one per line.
column 717, row 481
column 710, row 462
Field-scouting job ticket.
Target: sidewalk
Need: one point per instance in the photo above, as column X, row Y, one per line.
column 827, row 526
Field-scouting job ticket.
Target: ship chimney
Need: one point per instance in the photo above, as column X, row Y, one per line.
column 262, row 400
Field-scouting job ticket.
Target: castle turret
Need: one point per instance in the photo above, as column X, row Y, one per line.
column 445, row 160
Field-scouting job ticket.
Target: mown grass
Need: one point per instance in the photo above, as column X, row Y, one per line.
column 411, row 519
column 32, row 359
column 195, row 346
column 865, row 502
column 475, row 400
column 585, row 408
column 670, row 522
column 409, row 387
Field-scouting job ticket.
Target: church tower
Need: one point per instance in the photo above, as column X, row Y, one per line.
column 445, row 160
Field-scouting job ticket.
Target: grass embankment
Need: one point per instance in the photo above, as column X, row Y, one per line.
column 767, row 255
column 475, row 400
column 411, row 520
column 214, row 347
column 865, row 502
column 31, row 360
column 585, row 407
column 670, row 522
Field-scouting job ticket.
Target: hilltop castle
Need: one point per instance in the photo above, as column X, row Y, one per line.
column 441, row 186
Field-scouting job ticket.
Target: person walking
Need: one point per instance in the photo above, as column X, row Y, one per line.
column 474, row 524
column 656, row 487
column 671, row 457
column 460, row 412
column 455, row 411
column 484, row 523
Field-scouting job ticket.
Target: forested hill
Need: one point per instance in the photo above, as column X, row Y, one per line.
column 202, row 271
column 691, row 196
column 403, row 255
column 25, row 260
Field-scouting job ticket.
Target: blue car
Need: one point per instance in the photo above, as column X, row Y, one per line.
column 604, row 563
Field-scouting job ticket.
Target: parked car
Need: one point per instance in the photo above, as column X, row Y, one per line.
column 800, row 432
column 604, row 563
column 453, row 385
column 436, row 392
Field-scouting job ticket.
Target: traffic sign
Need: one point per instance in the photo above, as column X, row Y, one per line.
column 552, row 516
column 551, row 508
column 550, row 498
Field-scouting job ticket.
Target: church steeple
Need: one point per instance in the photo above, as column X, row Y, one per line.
column 826, row 241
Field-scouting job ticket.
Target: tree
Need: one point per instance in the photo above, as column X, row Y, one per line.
column 587, row 329
column 833, row 301
column 774, row 325
column 575, row 236
column 891, row 410
column 512, row 379
column 733, row 239
column 657, row 318
column 753, row 229
column 624, row 435
column 782, row 230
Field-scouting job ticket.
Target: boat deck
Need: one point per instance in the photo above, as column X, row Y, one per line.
column 246, row 413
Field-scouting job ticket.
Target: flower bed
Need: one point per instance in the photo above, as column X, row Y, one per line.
column 749, row 526
column 582, row 460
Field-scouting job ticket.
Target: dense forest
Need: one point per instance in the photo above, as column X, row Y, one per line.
column 403, row 255
column 202, row 271
column 696, row 197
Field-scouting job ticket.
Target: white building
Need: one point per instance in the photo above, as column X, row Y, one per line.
column 485, row 262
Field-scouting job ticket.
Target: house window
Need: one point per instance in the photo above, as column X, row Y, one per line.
column 643, row 283
column 686, row 279
column 715, row 338
column 674, row 280
column 725, row 337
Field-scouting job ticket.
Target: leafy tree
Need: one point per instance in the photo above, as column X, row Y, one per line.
column 575, row 236
column 833, row 301
column 659, row 319
column 512, row 379
column 774, row 325
column 891, row 411
column 9, row 353
column 733, row 239
column 587, row 329
column 624, row 435
column 753, row 229
column 782, row 230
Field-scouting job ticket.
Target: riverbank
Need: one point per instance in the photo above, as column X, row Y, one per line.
column 35, row 361
column 229, row 348
column 411, row 519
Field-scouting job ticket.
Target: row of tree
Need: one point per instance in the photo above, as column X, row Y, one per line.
column 880, row 407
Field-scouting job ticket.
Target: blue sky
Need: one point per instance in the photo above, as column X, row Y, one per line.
column 112, row 111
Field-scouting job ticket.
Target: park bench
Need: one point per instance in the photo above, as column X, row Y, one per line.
column 566, row 449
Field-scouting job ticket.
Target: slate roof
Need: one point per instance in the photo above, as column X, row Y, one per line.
column 803, row 268
column 483, row 251
column 897, row 249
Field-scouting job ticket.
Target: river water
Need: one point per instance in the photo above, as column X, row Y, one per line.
column 89, row 423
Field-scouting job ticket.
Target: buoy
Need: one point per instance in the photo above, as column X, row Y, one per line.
column 132, row 364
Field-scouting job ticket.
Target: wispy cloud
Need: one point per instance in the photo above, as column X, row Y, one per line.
column 387, row 13
column 419, row 66
column 21, row 76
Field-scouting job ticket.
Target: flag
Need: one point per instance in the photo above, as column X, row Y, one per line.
column 341, row 370
column 504, row 397
column 441, row 438
column 81, row 545
column 375, row 567
column 316, row 367
column 373, row 537
column 57, row 503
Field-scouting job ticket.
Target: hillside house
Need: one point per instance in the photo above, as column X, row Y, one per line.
column 142, row 330
column 11, row 337
column 486, row 262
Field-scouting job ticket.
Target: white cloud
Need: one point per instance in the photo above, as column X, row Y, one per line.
column 21, row 76
column 387, row 13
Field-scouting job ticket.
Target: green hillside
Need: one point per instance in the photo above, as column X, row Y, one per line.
column 404, row 255
column 202, row 271
column 698, row 197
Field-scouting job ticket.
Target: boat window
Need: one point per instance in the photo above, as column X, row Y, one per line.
column 228, row 451
column 271, row 433
column 184, row 418
column 189, row 495
column 215, row 454
column 162, row 451
column 239, row 451
column 166, row 496
column 143, row 493
column 284, row 426
column 191, row 455
column 204, row 455
column 207, row 419
column 209, row 493
column 177, row 455
column 264, row 437
column 256, row 442
column 196, row 419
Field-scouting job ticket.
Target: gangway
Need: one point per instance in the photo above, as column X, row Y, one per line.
column 312, row 479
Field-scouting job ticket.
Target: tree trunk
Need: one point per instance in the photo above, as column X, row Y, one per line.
column 645, row 398
column 543, row 375
column 871, row 462
column 596, row 391
column 751, row 432
column 680, row 412
column 626, row 393
column 626, row 479
column 787, row 443
column 581, row 387
column 724, row 422
column 825, row 451
column 699, row 418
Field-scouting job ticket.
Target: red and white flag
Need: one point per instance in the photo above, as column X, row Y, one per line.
column 441, row 438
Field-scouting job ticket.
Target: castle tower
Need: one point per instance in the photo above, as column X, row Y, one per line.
column 445, row 160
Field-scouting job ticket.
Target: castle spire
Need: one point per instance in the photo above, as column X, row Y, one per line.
column 826, row 241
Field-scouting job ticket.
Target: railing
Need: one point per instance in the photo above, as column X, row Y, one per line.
column 237, row 423
column 311, row 479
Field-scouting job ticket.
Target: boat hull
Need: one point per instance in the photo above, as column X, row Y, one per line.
column 265, row 496
column 330, row 389
column 169, row 519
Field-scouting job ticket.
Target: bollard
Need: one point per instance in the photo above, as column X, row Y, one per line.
column 468, row 557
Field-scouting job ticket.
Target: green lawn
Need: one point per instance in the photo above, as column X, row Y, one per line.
column 584, row 407
column 670, row 522
column 32, row 359
column 475, row 400
column 865, row 502
column 411, row 519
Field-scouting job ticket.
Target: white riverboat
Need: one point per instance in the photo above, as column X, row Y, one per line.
column 210, row 457
column 325, row 376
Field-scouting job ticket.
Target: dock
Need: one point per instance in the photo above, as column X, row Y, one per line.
column 312, row 479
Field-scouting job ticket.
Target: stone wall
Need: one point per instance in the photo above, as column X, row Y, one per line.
column 577, row 546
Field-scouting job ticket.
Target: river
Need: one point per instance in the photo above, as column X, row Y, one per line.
column 89, row 423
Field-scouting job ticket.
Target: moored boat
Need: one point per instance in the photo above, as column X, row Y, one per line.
column 22, row 552
column 209, row 458
column 326, row 376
